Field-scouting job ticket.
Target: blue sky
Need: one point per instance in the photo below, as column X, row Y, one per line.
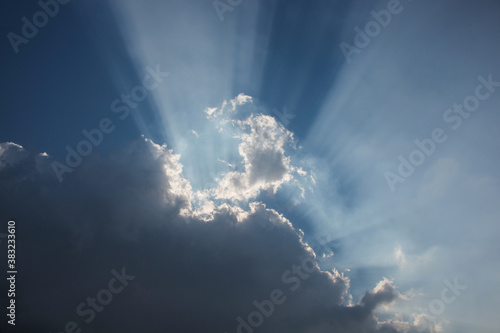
column 254, row 110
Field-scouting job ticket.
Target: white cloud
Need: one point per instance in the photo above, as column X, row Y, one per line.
column 266, row 166
column 241, row 99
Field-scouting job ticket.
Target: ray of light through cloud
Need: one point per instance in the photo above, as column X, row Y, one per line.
column 256, row 166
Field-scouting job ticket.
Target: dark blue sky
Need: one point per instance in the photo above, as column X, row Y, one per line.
column 61, row 82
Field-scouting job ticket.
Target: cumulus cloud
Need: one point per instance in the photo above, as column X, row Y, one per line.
column 15, row 160
column 266, row 165
column 384, row 292
column 241, row 99
column 132, row 209
column 264, row 149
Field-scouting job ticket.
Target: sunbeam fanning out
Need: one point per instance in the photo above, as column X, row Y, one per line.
column 256, row 166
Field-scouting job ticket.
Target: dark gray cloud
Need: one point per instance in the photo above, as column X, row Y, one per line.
column 128, row 213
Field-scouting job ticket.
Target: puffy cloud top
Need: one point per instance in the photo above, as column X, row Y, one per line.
column 129, row 214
